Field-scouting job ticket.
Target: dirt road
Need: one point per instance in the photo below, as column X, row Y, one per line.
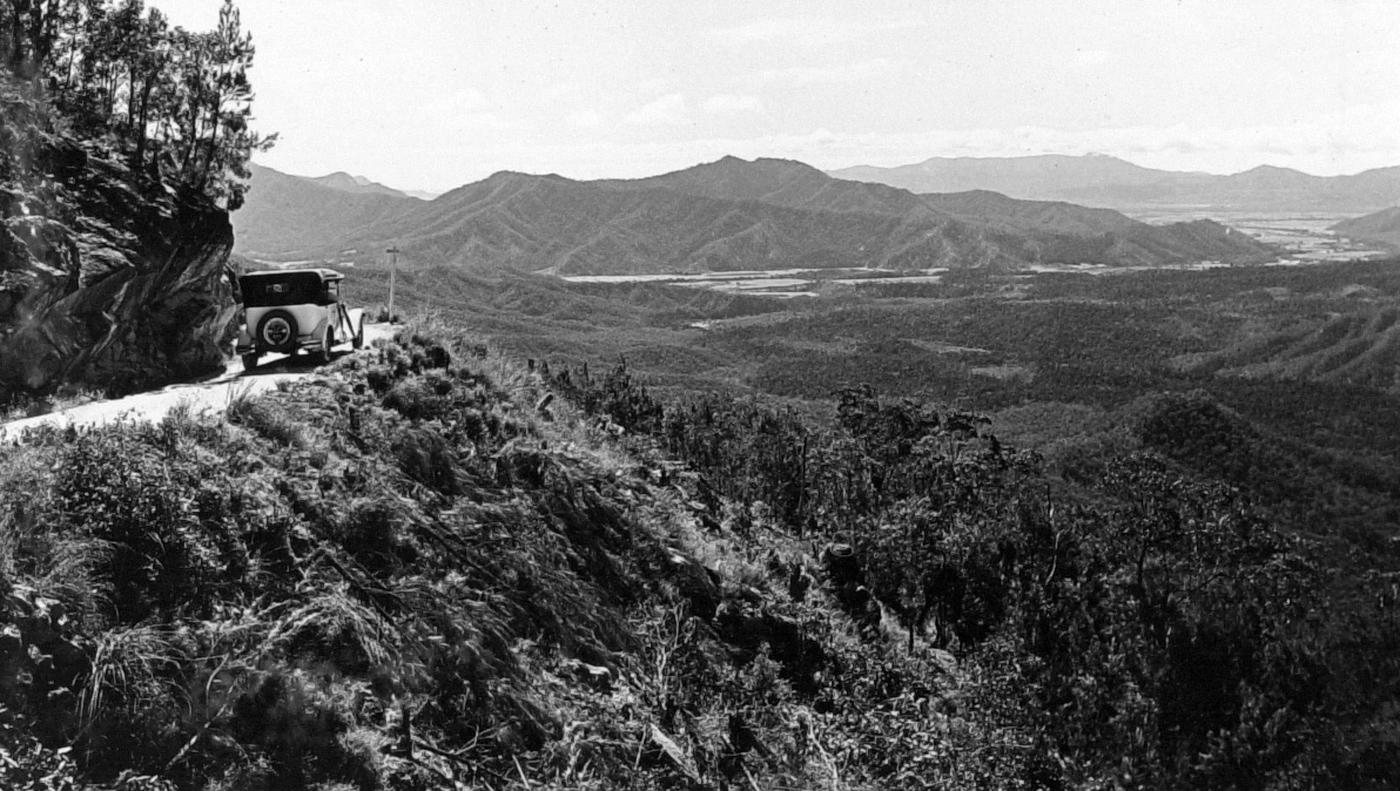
column 211, row 395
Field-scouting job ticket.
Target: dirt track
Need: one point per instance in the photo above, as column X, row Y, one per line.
column 211, row 395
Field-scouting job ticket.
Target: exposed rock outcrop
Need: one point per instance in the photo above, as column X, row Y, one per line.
column 107, row 279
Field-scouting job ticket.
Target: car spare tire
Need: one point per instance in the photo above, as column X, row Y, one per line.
column 278, row 331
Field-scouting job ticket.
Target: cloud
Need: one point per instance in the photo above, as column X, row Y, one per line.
column 1174, row 147
column 668, row 110
column 461, row 101
column 465, row 109
column 1091, row 58
column 805, row 31
column 1326, row 145
column 809, row 31
column 833, row 74
column 585, row 119
column 727, row 103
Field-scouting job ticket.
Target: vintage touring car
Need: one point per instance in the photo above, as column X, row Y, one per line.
column 292, row 310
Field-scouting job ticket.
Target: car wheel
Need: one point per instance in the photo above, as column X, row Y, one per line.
column 278, row 331
column 327, row 338
column 250, row 361
column 359, row 340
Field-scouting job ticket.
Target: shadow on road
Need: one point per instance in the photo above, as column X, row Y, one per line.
column 291, row 363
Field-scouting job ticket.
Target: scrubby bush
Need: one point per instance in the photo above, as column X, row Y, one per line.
column 265, row 420
column 331, row 590
column 1154, row 627
column 461, row 596
column 300, row 733
column 121, row 492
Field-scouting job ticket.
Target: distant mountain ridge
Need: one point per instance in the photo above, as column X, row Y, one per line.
column 287, row 214
column 345, row 182
column 1100, row 180
column 1043, row 177
column 726, row 215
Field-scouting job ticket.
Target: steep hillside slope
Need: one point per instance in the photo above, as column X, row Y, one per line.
column 1358, row 348
column 724, row 216
column 416, row 572
column 1382, row 227
column 1298, row 483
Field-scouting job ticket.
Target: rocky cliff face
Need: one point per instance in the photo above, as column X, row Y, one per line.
column 107, row 279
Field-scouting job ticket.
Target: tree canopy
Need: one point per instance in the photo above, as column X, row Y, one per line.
column 176, row 103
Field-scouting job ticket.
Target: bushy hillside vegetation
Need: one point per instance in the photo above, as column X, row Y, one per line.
column 1146, row 627
column 430, row 567
column 418, row 572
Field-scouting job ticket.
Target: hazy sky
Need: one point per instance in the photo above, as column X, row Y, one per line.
column 432, row 94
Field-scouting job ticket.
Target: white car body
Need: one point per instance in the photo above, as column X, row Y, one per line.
column 292, row 310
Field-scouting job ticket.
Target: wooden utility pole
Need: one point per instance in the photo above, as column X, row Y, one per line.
column 393, row 272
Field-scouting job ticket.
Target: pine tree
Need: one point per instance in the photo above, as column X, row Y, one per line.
column 176, row 103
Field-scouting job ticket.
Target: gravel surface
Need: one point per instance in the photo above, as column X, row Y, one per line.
column 211, row 395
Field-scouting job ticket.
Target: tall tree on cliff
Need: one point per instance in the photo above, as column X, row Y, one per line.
column 210, row 107
column 228, row 102
column 149, row 69
column 176, row 103
column 28, row 31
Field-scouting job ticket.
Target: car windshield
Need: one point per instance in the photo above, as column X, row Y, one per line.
column 293, row 288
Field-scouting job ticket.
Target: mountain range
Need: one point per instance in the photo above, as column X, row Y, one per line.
column 726, row 215
column 345, row 182
column 296, row 214
column 1099, row 180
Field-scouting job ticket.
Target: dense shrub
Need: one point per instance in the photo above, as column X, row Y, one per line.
column 469, row 595
column 142, row 504
column 1156, row 628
